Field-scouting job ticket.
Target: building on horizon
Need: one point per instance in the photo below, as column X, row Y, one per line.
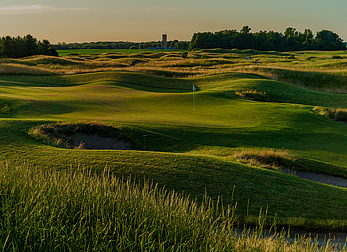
column 164, row 41
column 163, row 44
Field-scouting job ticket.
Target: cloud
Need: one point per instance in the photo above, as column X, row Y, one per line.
column 34, row 8
column 161, row 8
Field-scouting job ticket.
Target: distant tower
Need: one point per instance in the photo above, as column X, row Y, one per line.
column 164, row 41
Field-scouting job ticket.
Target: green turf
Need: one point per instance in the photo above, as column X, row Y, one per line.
column 186, row 151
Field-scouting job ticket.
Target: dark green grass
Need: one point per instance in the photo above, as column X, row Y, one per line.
column 252, row 188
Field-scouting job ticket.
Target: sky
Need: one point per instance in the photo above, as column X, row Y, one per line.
column 145, row 20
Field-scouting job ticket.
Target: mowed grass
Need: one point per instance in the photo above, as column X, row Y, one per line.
column 186, row 151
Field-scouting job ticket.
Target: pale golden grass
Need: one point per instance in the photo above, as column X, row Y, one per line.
column 336, row 114
column 252, row 95
column 266, row 158
column 275, row 243
column 10, row 68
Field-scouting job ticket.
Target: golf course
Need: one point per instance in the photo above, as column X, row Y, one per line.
column 215, row 140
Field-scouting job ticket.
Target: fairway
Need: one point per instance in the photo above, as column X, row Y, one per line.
column 192, row 146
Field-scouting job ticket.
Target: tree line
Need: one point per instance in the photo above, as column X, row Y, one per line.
column 290, row 40
column 120, row 45
column 18, row 47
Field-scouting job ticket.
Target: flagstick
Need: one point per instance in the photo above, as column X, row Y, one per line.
column 194, row 101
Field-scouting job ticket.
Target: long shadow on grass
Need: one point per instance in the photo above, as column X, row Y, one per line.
column 35, row 81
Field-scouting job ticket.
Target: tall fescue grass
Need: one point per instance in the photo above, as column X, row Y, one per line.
column 16, row 69
column 168, row 73
column 78, row 210
column 317, row 80
column 252, row 95
column 267, row 158
column 336, row 114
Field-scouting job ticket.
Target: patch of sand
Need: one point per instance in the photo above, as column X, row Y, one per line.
column 320, row 178
column 95, row 142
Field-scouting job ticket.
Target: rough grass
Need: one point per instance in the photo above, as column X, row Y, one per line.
column 268, row 158
column 336, row 114
column 281, row 159
column 79, row 210
column 18, row 69
column 252, row 95
column 317, row 80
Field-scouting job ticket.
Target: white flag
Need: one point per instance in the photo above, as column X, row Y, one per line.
column 194, row 89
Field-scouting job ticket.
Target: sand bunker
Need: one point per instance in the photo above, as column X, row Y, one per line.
column 320, row 178
column 95, row 142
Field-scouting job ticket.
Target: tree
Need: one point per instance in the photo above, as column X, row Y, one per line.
column 31, row 45
column 245, row 30
column 263, row 40
column 328, row 40
column 17, row 47
column 7, row 47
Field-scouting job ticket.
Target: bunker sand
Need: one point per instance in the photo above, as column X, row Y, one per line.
column 95, row 142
